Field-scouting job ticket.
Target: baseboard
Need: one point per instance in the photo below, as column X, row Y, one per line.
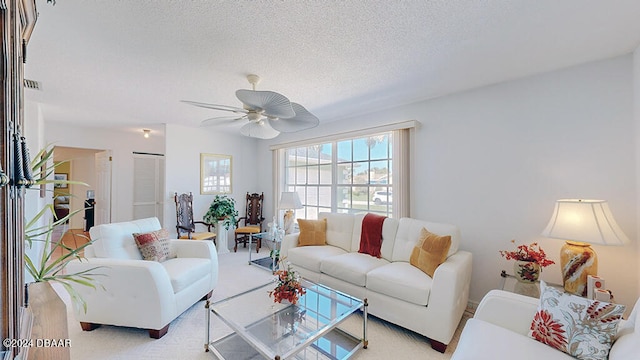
column 471, row 307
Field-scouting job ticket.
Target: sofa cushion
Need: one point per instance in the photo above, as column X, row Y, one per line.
column 430, row 252
column 481, row 340
column 312, row 232
column 154, row 245
column 409, row 232
column 351, row 267
column 402, row 281
column 183, row 272
column 115, row 240
column 580, row 327
column 310, row 257
column 339, row 229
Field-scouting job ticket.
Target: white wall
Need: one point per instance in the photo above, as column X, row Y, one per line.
column 33, row 203
column 184, row 146
column 636, row 113
column 122, row 144
column 494, row 160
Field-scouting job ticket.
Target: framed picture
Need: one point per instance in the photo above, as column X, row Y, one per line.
column 60, row 177
column 215, row 174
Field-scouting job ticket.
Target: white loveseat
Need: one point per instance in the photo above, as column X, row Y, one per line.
column 499, row 328
column 396, row 291
column 139, row 293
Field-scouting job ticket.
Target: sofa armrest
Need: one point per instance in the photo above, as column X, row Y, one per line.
column 508, row 310
column 288, row 242
column 127, row 289
column 198, row 249
column 193, row 249
column 450, row 294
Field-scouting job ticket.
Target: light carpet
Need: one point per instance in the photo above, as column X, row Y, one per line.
column 186, row 336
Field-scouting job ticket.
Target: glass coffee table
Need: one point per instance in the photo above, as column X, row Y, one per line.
column 267, row 330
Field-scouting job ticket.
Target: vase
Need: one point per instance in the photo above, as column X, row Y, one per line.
column 49, row 322
column 526, row 271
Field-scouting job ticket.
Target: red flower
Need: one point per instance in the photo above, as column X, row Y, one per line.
column 532, row 253
column 548, row 331
column 288, row 287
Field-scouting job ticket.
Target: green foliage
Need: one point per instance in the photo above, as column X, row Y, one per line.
column 222, row 208
column 48, row 268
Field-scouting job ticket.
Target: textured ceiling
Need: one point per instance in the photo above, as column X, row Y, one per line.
column 128, row 63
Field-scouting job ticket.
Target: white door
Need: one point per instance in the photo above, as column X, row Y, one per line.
column 103, row 188
column 148, row 186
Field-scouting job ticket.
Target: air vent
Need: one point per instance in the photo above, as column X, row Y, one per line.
column 32, row 84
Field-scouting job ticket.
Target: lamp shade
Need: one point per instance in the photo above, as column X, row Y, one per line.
column 588, row 221
column 290, row 200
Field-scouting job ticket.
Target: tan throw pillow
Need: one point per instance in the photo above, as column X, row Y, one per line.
column 312, row 232
column 154, row 245
column 430, row 252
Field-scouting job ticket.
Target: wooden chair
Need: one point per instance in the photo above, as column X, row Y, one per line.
column 185, row 223
column 252, row 221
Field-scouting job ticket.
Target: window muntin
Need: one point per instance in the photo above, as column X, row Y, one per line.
column 342, row 176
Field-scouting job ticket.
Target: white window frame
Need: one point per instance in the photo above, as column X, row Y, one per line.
column 402, row 135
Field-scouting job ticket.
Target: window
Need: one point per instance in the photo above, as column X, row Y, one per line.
column 352, row 174
column 346, row 176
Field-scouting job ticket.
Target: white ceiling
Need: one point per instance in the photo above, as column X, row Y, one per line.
column 127, row 64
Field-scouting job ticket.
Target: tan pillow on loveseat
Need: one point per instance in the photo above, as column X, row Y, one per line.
column 430, row 252
column 312, row 232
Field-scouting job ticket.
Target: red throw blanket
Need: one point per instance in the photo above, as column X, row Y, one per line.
column 371, row 235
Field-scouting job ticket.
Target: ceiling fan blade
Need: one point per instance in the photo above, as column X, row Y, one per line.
column 273, row 104
column 221, row 120
column 216, row 107
column 301, row 121
column 258, row 129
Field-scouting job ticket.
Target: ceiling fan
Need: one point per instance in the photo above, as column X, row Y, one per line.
column 268, row 113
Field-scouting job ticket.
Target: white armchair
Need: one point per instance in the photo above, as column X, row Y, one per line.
column 139, row 293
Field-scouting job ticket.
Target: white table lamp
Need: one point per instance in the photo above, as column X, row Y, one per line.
column 580, row 223
column 289, row 200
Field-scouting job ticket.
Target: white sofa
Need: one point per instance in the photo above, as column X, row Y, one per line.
column 502, row 320
column 396, row 291
column 139, row 293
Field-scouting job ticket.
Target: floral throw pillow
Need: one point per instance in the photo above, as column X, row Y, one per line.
column 578, row 326
column 154, row 245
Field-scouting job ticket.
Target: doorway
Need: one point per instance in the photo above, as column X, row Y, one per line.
column 91, row 202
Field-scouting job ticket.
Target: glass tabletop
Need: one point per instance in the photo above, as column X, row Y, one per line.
column 282, row 330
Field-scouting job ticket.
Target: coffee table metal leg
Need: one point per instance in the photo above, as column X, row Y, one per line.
column 365, row 311
column 208, row 326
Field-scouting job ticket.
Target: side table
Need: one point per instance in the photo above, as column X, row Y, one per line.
column 269, row 263
column 508, row 282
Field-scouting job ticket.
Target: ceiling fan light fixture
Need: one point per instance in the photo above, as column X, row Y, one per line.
column 259, row 130
column 253, row 115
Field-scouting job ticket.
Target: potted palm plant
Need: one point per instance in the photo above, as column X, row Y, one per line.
column 47, row 262
column 222, row 208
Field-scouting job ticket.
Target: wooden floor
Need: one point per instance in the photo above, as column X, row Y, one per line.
column 72, row 238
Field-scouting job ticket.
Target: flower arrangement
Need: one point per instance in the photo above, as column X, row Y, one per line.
column 532, row 253
column 288, row 286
